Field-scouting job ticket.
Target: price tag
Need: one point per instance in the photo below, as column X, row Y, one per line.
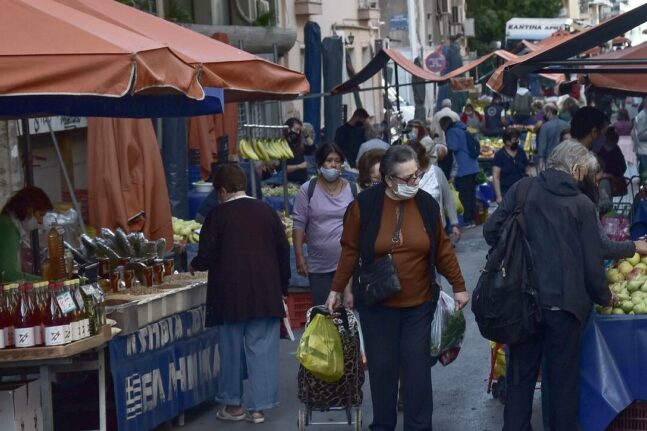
column 88, row 289
column 79, row 299
column 66, row 302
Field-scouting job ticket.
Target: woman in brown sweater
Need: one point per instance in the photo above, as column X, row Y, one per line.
column 397, row 332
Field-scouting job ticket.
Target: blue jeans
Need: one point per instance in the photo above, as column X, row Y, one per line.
column 249, row 350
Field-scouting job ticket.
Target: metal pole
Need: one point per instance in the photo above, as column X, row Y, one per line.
column 27, row 154
column 397, row 87
column 68, row 182
column 248, row 135
column 102, row 389
column 28, row 163
column 286, row 202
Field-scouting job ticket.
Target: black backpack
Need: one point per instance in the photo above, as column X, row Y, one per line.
column 506, row 302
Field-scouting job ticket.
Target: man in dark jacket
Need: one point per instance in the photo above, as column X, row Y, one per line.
column 562, row 230
column 350, row 135
column 244, row 247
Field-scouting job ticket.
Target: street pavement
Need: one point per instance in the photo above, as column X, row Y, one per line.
column 460, row 399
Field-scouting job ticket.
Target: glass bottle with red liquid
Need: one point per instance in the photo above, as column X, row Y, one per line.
column 56, row 323
column 36, row 294
column 25, row 320
column 5, row 322
column 9, row 302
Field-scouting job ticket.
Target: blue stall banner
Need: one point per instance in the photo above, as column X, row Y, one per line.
column 163, row 369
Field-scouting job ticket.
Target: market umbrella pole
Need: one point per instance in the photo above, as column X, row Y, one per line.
column 70, row 187
column 29, row 181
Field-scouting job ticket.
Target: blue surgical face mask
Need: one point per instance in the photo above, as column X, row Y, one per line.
column 330, row 175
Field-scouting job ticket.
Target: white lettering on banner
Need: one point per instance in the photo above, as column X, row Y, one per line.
column 164, row 332
column 145, row 392
column 152, row 389
column 192, row 370
column 177, row 374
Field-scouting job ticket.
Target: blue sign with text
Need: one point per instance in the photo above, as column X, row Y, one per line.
column 163, row 369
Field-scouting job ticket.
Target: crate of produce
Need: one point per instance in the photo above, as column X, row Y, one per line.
column 299, row 302
column 633, row 418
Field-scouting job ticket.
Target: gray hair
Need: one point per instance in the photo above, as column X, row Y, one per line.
column 571, row 154
column 395, row 156
column 308, row 130
column 371, row 131
column 447, row 103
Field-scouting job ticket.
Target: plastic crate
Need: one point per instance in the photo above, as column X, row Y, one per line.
column 633, row 418
column 298, row 305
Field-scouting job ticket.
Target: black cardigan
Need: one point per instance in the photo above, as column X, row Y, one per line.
column 244, row 247
column 370, row 208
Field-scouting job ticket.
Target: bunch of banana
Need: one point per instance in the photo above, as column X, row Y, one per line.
column 266, row 150
column 247, row 150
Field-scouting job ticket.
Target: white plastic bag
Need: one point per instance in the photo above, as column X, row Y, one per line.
column 447, row 330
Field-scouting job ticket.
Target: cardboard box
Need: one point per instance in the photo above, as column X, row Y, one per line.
column 20, row 406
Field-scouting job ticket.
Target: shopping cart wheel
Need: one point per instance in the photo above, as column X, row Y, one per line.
column 358, row 419
column 301, row 421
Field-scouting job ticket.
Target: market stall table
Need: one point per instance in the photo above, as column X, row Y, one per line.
column 613, row 368
column 168, row 361
column 84, row 355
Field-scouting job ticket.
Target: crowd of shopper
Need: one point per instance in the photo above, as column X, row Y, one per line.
column 402, row 208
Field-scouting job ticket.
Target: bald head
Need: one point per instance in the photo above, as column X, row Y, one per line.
column 447, row 103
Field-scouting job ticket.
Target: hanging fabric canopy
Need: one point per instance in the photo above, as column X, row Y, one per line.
column 51, row 49
column 567, row 47
column 243, row 76
column 127, row 177
column 383, row 57
column 624, row 84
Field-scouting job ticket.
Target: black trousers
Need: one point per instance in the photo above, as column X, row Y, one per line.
column 466, row 188
column 559, row 341
column 399, row 339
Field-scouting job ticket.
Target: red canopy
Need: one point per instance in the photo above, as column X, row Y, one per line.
column 622, row 83
column 242, row 75
column 569, row 46
column 53, row 49
column 382, row 58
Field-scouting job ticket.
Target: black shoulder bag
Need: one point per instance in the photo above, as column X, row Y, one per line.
column 379, row 280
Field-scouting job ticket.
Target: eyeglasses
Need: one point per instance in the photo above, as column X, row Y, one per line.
column 411, row 179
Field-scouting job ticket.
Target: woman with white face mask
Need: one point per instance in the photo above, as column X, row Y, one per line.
column 319, row 216
column 397, row 219
column 22, row 214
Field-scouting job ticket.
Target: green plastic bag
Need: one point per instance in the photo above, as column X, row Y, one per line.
column 320, row 350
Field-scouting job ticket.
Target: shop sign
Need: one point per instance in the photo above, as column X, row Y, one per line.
column 399, row 23
column 163, row 369
column 59, row 124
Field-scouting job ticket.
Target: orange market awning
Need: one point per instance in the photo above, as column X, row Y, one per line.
column 622, row 83
column 377, row 64
column 243, row 76
column 384, row 56
column 52, row 49
column 563, row 49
